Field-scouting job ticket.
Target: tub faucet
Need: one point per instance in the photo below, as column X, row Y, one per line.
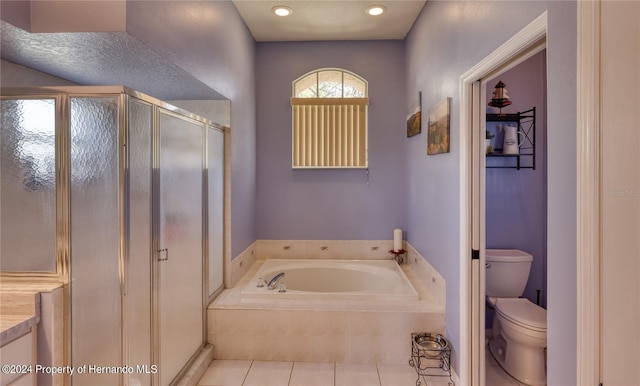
column 273, row 282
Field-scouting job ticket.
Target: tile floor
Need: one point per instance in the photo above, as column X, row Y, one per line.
column 495, row 375
column 273, row 373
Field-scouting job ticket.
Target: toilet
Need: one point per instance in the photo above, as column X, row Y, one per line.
column 519, row 326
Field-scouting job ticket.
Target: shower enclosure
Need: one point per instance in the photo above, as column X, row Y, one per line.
column 120, row 196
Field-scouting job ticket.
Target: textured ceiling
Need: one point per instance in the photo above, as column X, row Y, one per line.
column 117, row 58
column 328, row 20
column 96, row 58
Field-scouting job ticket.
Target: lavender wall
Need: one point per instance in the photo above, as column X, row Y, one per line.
column 516, row 200
column 331, row 204
column 15, row 75
column 449, row 38
column 209, row 40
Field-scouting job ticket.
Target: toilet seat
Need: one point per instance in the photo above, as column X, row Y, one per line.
column 522, row 312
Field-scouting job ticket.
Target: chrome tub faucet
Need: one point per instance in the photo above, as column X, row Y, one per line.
column 273, row 282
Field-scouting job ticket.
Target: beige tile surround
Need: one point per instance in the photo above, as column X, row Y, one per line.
column 324, row 249
column 343, row 331
column 241, row 265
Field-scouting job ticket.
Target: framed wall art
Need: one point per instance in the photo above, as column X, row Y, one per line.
column 414, row 118
column 439, row 128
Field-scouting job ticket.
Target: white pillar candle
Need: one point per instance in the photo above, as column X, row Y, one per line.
column 397, row 239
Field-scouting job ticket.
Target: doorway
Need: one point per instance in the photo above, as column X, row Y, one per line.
column 528, row 42
column 515, row 198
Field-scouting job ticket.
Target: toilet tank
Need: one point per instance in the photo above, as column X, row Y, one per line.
column 507, row 272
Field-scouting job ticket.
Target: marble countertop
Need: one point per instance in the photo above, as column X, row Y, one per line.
column 19, row 311
column 28, row 285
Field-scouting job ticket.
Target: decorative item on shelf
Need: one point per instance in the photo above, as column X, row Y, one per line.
column 500, row 98
column 511, row 143
column 397, row 250
column 488, row 137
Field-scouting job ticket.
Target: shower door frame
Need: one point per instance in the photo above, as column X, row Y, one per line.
column 157, row 248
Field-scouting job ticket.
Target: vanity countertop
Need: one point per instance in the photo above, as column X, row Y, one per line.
column 19, row 311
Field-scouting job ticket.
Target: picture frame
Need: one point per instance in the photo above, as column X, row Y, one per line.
column 414, row 118
column 438, row 131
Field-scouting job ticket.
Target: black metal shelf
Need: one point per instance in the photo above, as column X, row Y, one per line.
column 526, row 159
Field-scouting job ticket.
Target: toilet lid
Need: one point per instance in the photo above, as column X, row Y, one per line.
column 522, row 311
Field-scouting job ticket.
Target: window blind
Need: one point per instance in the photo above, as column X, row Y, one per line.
column 329, row 132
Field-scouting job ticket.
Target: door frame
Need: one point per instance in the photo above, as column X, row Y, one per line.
column 588, row 200
column 530, row 40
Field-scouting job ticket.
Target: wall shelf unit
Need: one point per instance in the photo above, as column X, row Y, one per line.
column 526, row 159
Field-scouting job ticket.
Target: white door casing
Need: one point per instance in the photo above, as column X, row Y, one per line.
column 526, row 43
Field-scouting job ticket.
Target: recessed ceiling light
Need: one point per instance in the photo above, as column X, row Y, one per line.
column 376, row 10
column 282, row 10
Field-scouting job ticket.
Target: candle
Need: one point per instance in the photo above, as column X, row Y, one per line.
column 397, row 239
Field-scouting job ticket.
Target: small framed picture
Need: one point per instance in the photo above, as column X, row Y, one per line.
column 414, row 119
column 439, row 126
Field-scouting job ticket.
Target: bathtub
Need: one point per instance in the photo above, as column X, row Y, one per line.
column 332, row 279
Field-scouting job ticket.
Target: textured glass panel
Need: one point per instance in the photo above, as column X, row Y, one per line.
column 307, row 87
column 330, row 84
column 216, row 209
column 95, row 292
column 28, row 189
column 354, row 87
column 139, row 269
column 181, row 158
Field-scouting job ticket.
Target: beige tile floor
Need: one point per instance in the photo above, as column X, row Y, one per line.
column 273, row 373
column 495, row 375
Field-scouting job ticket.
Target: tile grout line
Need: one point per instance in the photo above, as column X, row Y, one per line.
column 334, row 373
column 247, row 374
column 291, row 372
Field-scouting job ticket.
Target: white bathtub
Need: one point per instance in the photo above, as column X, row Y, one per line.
column 332, row 279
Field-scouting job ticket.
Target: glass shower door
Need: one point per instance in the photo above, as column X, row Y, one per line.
column 180, row 255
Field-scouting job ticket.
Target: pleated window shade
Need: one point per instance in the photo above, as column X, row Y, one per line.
column 329, row 132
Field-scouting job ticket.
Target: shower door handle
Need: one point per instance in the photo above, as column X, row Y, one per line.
column 166, row 254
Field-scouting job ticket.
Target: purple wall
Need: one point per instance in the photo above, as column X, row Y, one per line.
column 448, row 38
column 331, row 204
column 516, row 200
column 209, row 40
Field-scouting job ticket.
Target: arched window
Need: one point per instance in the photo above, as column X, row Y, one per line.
column 329, row 119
